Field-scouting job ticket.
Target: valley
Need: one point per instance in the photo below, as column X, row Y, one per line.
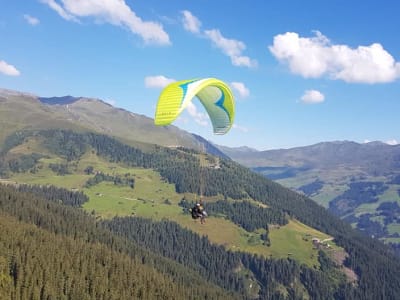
column 354, row 181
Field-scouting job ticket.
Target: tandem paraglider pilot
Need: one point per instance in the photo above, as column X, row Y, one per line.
column 217, row 99
column 198, row 212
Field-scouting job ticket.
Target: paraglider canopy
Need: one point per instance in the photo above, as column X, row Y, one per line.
column 214, row 94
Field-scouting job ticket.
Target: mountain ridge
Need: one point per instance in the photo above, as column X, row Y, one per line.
column 334, row 151
column 19, row 110
column 357, row 181
column 63, row 100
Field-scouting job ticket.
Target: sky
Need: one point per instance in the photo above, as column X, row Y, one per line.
column 302, row 72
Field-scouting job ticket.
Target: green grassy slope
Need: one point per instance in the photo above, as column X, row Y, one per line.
column 154, row 198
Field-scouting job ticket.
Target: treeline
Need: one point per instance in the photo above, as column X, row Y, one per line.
column 242, row 213
column 23, row 163
column 390, row 211
column 311, row 188
column 387, row 213
column 248, row 215
column 183, row 246
column 41, row 265
column 14, row 140
column 59, row 169
column 221, row 266
column 127, row 179
column 67, row 255
column 376, row 266
column 357, row 194
column 55, row 194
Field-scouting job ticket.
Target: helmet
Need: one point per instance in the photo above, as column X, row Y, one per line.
column 198, row 204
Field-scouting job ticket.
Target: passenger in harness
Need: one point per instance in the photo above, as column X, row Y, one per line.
column 199, row 212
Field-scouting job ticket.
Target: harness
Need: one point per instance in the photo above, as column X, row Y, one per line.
column 196, row 213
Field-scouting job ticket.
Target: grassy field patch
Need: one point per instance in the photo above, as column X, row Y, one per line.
column 392, row 240
column 295, row 240
column 393, row 228
column 47, row 177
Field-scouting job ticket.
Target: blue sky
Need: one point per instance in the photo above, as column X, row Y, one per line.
column 302, row 71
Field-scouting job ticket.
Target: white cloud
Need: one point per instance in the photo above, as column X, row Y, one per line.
column 8, row 69
column 316, row 56
column 31, row 20
column 199, row 117
column 190, row 22
column 392, row 142
column 231, row 47
column 240, row 87
column 240, row 128
column 312, row 97
column 115, row 12
column 60, row 10
column 158, row 81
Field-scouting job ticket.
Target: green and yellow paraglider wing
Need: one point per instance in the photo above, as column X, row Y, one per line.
column 214, row 94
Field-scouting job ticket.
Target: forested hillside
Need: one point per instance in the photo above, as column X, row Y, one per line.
column 242, row 197
column 355, row 181
column 67, row 255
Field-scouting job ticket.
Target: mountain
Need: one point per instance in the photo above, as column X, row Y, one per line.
column 23, row 111
column 324, row 155
column 64, row 100
column 141, row 200
column 127, row 202
column 358, row 182
column 209, row 148
column 235, row 152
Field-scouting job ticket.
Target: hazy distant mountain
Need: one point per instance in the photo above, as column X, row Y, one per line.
column 235, row 152
column 358, row 182
column 58, row 100
column 209, row 147
column 372, row 157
